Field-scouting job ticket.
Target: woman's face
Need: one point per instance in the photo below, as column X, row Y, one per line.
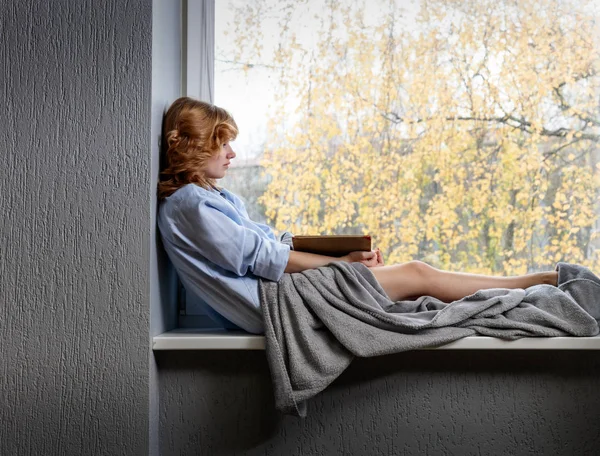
column 219, row 164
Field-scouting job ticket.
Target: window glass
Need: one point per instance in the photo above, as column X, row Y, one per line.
column 461, row 133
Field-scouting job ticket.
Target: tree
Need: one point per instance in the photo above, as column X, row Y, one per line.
column 464, row 133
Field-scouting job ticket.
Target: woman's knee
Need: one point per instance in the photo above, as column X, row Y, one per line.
column 405, row 280
column 420, row 269
column 401, row 281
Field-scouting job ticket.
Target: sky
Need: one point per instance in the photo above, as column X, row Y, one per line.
column 248, row 96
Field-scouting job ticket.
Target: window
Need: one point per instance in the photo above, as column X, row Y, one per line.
column 461, row 133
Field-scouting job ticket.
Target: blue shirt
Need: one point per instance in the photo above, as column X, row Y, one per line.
column 219, row 253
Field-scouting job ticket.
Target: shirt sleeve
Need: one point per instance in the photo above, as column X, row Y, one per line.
column 240, row 205
column 287, row 238
column 209, row 230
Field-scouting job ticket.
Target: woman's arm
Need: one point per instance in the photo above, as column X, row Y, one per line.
column 212, row 230
column 299, row 261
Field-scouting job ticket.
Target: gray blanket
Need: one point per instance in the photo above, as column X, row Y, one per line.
column 318, row 320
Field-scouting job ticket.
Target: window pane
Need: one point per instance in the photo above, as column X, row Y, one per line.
column 461, row 133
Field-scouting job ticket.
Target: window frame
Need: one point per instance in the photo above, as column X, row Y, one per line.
column 196, row 330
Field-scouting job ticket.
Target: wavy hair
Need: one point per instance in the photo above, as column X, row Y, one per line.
column 194, row 132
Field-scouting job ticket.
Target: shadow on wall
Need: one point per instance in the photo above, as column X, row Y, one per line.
column 230, row 409
column 221, row 402
column 168, row 281
column 167, row 286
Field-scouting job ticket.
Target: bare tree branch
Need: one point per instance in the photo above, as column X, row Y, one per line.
column 521, row 124
column 564, row 106
column 554, row 152
column 250, row 65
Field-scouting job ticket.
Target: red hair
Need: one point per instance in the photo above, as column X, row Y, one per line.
column 195, row 132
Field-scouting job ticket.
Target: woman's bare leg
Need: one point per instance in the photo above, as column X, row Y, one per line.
column 415, row 278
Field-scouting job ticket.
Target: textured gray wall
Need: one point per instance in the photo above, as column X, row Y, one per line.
column 74, row 252
column 416, row 403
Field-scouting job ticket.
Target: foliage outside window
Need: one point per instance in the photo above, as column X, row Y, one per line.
column 462, row 133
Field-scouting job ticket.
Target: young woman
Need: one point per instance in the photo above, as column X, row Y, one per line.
column 219, row 253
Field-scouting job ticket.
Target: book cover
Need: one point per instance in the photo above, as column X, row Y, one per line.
column 332, row 245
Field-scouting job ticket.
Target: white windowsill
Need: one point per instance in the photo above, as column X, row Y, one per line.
column 214, row 339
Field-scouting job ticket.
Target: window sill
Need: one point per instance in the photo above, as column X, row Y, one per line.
column 215, row 339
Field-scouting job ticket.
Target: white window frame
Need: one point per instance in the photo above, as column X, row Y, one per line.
column 198, row 49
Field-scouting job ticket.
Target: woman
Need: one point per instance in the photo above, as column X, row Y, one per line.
column 220, row 254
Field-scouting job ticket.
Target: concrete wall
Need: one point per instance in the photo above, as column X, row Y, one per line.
column 417, row 403
column 74, row 245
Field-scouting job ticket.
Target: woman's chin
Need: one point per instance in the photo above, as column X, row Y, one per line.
column 219, row 175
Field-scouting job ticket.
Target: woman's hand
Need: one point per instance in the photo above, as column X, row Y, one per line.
column 379, row 257
column 371, row 259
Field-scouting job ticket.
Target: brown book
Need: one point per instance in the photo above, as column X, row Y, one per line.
column 332, row 245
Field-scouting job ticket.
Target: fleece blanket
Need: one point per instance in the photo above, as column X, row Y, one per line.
column 318, row 320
